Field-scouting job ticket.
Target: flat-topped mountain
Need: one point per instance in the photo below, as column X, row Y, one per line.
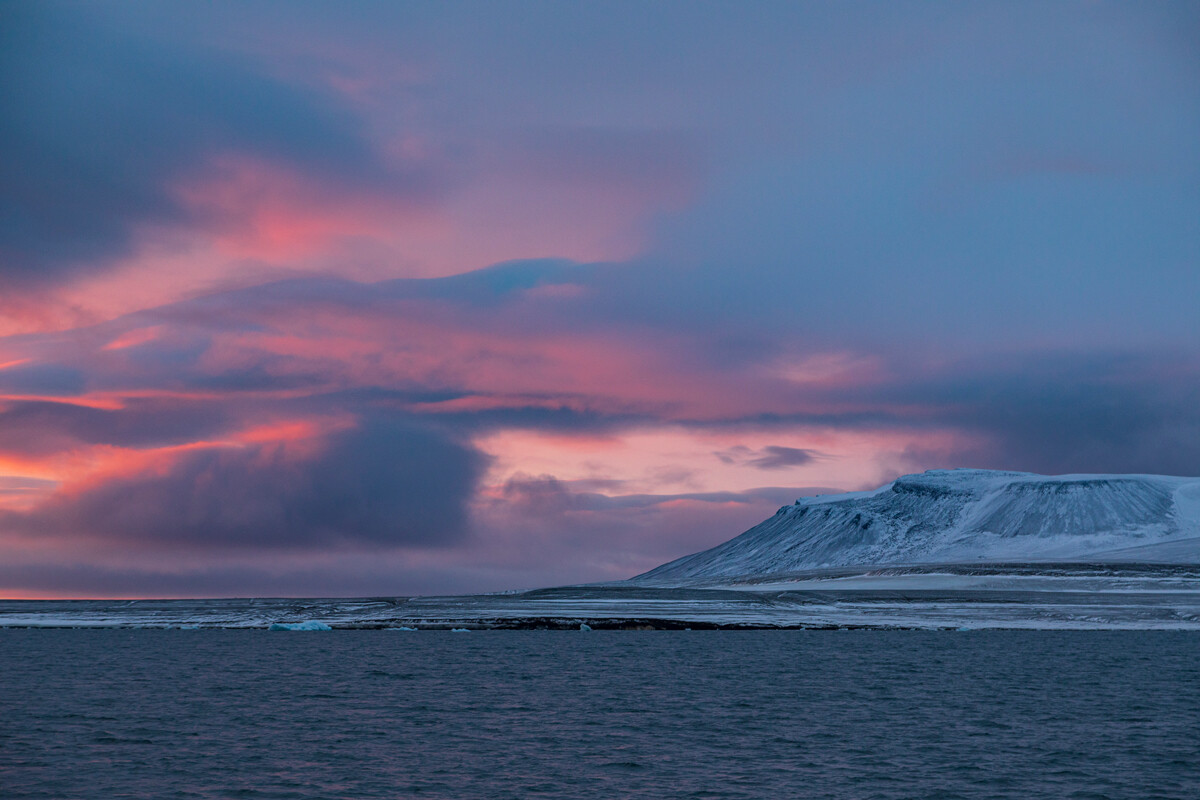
column 963, row 515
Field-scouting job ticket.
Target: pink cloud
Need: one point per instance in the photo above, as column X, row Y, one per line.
column 273, row 213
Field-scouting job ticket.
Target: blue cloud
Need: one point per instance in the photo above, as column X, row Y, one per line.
column 100, row 121
column 390, row 482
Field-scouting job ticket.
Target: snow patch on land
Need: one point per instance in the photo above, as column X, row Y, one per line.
column 956, row 516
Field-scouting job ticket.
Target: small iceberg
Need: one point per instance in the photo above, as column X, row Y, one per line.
column 307, row 625
column 402, row 628
column 583, row 626
column 460, row 630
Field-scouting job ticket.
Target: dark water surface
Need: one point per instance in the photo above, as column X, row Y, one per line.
column 386, row 714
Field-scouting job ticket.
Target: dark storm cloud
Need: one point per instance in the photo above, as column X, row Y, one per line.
column 46, row 379
column 255, row 378
column 1120, row 413
column 45, row 427
column 776, row 457
column 544, row 494
column 387, row 482
column 769, row 457
column 98, row 123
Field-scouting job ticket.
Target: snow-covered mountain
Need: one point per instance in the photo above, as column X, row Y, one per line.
column 965, row 515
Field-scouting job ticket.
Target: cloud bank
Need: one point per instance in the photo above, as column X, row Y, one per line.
column 429, row 300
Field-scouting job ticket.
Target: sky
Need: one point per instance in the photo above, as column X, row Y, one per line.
column 316, row 299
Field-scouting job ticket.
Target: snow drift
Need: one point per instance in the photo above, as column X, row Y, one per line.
column 947, row 516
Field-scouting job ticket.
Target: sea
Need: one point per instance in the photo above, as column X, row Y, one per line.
column 492, row 714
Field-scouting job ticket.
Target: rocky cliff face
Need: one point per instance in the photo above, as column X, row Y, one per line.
column 963, row 515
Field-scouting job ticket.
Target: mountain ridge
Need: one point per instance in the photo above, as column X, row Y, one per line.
column 962, row 515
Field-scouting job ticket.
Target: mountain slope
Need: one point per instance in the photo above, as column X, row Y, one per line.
column 963, row 515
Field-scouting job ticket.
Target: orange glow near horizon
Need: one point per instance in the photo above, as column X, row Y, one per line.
column 676, row 460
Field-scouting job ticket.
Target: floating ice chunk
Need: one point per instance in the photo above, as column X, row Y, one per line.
column 583, row 626
column 307, row 625
column 402, row 628
column 460, row 630
column 189, row 627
